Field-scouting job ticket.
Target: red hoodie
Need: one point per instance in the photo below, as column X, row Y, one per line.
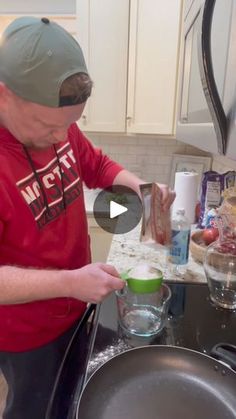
column 29, row 237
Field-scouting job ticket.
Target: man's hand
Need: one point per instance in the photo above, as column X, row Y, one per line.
column 94, row 282
column 130, row 180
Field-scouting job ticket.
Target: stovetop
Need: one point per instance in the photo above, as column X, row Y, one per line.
column 193, row 322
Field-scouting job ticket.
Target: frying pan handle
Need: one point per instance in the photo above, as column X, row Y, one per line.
column 225, row 352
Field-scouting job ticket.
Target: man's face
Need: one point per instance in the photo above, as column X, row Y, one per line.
column 40, row 126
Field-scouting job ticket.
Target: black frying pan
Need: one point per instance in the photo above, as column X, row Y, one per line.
column 160, row 382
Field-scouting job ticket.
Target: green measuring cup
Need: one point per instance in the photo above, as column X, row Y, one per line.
column 143, row 285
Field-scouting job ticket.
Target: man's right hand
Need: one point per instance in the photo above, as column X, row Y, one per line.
column 94, row 282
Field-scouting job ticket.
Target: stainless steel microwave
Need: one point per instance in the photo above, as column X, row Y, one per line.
column 207, row 91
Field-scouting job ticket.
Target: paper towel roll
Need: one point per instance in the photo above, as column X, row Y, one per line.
column 186, row 188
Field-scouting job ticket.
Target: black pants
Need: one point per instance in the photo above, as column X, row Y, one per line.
column 30, row 377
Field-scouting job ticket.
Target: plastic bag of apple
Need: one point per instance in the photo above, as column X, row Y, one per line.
column 223, row 226
column 215, row 188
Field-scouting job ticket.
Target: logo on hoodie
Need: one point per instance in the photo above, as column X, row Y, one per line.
column 48, row 190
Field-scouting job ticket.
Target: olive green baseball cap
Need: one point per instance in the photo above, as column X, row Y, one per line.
column 36, row 56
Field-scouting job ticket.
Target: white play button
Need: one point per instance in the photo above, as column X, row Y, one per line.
column 116, row 209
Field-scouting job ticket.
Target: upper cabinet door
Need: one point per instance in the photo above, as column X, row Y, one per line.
column 153, row 65
column 102, row 31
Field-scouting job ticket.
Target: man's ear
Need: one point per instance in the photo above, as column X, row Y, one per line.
column 4, row 93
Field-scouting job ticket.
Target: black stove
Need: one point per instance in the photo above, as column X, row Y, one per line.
column 193, row 322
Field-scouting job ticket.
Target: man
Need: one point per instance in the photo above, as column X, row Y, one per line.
column 46, row 277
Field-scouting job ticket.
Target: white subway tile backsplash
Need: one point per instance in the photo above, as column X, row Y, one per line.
column 131, row 158
column 150, row 157
column 162, row 159
column 139, row 150
column 127, row 140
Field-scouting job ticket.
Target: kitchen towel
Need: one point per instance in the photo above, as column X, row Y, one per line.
column 186, row 188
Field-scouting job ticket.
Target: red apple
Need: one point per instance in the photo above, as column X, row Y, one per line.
column 210, row 234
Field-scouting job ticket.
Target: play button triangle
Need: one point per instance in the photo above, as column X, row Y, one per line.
column 116, row 209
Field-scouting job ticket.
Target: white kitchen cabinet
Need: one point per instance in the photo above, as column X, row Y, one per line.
column 153, row 65
column 100, row 240
column 67, row 21
column 37, row 7
column 102, row 31
column 131, row 48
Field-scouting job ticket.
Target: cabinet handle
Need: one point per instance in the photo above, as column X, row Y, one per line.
column 128, row 118
column 84, row 119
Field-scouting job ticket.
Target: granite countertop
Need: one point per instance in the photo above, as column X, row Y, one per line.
column 126, row 251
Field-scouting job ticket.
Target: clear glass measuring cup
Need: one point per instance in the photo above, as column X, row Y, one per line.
column 143, row 314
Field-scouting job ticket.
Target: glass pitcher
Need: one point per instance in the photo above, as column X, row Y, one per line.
column 220, row 263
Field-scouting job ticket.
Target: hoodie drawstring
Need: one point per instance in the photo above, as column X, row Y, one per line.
column 37, row 177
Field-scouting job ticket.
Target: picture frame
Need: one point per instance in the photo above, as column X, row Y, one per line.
column 187, row 163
